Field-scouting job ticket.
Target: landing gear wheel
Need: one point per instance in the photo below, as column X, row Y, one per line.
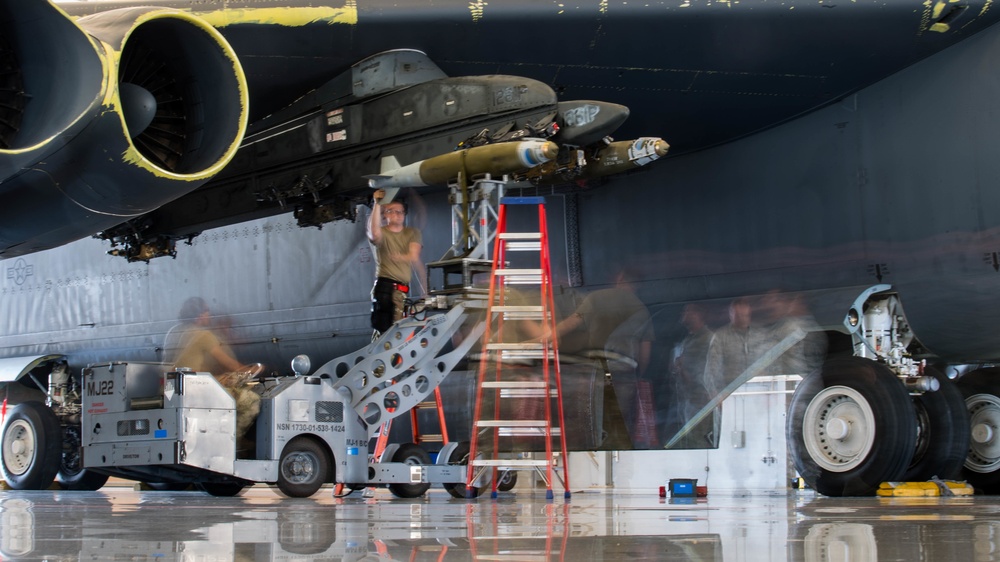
column 981, row 389
column 72, row 475
column 32, row 447
column 411, row 454
column 460, row 456
column 222, row 489
column 942, row 432
column 303, row 468
column 851, row 427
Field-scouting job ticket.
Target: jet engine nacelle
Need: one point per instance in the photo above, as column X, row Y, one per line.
column 108, row 117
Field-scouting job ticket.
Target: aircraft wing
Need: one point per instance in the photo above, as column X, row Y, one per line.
column 128, row 120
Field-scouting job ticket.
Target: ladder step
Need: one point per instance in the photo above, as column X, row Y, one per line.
column 528, row 393
column 510, row 463
column 524, row 346
column 520, row 235
column 426, row 405
column 432, row 438
column 517, row 556
column 523, row 246
column 514, row 384
column 511, row 423
column 520, row 276
column 520, row 312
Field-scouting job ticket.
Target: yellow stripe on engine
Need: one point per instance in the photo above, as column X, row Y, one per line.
column 290, row 17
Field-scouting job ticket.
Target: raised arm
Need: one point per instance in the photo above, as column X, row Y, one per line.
column 375, row 220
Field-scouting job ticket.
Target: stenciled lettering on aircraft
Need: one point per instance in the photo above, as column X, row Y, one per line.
column 100, row 388
column 582, row 115
column 20, row 271
column 510, row 94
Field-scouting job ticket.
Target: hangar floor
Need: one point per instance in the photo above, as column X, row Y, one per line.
column 122, row 523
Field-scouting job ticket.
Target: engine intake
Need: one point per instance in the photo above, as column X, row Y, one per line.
column 111, row 117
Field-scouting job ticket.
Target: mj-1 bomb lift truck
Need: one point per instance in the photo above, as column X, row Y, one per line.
column 166, row 426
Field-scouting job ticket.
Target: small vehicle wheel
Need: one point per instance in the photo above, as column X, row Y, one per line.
column 72, row 475
column 411, row 454
column 506, row 480
column 460, row 456
column 32, row 447
column 303, row 468
column 222, row 489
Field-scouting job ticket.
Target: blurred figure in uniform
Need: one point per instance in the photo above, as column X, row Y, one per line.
column 194, row 345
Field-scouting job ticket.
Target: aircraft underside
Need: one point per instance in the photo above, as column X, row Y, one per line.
column 860, row 240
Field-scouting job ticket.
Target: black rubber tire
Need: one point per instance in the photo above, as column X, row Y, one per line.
column 167, row 486
column 506, row 480
column 981, row 390
column 81, row 480
column 882, row 427
column 460, row 456
column 943, row 432
column 222, row 489
column 71, row 475
column 412, row 454
column 304, row 467
column 32, row 425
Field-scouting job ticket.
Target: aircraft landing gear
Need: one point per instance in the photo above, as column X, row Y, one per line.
column 981, row 389
column 851, row 427
column 32, row 447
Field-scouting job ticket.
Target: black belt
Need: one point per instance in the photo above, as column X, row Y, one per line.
column 401, row 287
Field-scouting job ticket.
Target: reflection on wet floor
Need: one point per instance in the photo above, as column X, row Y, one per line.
column 119, row 523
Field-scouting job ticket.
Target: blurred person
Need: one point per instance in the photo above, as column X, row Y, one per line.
column 195, row 345
column 686, row 393
column 620, row 334
column 615, row 321
column 397, row 253
column 733, row 348
column 789, row 317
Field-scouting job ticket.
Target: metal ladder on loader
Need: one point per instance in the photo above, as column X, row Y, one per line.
column 494, row 382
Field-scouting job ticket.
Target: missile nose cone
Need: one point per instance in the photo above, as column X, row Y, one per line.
column 550, row 150
column 661, row 147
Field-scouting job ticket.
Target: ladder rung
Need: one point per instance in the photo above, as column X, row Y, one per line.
column 520, row 276
column 517, row 556
column 526, row 432
column 431, row 438
column 516, row 271
column 523, row 246
column 510, row 463
column 514, row 384
column 528, row 393
column 520, row 312
column 526, row 346
column 520, row 235
column 426, row 405
column 512, row 423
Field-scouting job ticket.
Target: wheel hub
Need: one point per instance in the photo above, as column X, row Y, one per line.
column 984, row 417
column 18, row 447
column 839, row 428
column 299, row 468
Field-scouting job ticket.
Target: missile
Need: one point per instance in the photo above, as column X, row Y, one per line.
column 611, row 158
column 622, row 156
column 496, row 159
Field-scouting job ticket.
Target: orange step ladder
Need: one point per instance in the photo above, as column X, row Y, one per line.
column 498, row 386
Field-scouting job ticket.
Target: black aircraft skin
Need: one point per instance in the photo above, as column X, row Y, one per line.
column 828, row 152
